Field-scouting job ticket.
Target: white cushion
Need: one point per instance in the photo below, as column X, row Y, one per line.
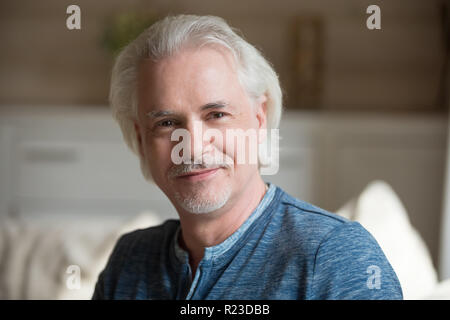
column 35, row 253
column 380, row 211
column 92, row 259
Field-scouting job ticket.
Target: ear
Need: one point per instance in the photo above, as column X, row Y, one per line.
column 261, row 116
column 137, row 130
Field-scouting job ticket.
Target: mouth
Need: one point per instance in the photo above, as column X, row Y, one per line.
column 198, row 174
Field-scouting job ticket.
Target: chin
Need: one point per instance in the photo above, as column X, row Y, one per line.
column 201, row 201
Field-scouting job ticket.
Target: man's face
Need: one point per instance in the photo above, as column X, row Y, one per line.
column 196, row 88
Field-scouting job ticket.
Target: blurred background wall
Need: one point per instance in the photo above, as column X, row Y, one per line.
column 360, row 104
column 397, row 68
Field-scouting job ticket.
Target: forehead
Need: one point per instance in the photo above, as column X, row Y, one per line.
column 192, row 76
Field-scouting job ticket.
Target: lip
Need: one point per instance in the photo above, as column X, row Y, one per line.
column 198, row 175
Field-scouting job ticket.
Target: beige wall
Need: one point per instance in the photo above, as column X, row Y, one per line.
column 396, row 68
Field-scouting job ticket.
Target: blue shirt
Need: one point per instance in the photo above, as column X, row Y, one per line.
column 286, row 249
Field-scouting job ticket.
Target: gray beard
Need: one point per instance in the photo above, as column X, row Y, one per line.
column 202, row 205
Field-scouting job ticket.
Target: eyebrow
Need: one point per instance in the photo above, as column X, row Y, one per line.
column 159, row 113
column 214, row 105
column 211, row 105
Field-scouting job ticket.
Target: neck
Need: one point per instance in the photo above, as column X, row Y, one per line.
column 206, row 230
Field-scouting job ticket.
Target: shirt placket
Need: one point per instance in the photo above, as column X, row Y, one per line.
column 200, row 277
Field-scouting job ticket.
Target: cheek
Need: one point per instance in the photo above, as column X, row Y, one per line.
column 229, row 146
column 242, row 139
column 241, row 146
column 158, row 153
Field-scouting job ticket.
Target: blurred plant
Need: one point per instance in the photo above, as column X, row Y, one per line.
column 125, row 27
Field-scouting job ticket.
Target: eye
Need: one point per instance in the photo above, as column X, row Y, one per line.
column 165, row 123
column 217, row 115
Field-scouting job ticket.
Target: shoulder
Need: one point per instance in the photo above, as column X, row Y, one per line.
column 342, row 253
column 148, row 239
column 349, row 264
column 129, row 259
column 303, row 220
column 326, row 231
column 133, row 249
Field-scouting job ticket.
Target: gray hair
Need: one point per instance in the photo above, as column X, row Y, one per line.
column 167, row 37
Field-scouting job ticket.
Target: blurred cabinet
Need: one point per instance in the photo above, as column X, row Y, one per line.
column 72, row 162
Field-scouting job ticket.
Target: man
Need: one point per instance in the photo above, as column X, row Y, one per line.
column 237, row 237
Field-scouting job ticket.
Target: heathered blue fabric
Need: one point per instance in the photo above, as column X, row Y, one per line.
column 286, row 249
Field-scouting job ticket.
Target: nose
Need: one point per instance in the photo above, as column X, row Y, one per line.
column 198, row 143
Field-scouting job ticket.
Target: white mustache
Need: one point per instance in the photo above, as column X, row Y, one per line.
column 207, row 163
column 187, row 168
